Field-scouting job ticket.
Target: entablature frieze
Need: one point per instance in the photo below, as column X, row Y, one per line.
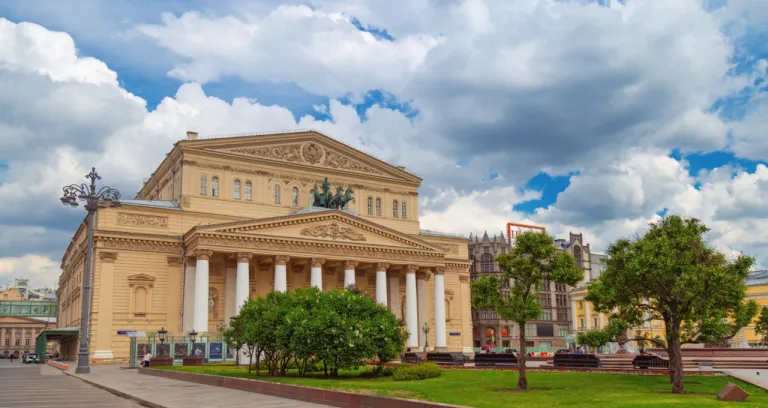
column 337, row 251
column 130, row 241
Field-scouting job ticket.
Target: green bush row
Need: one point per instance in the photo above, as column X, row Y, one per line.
column 411, row 372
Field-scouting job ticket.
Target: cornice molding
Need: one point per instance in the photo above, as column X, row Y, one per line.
column 135, row 244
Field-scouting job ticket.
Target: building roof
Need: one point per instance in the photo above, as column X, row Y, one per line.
column 757, row 278
column 152, row 203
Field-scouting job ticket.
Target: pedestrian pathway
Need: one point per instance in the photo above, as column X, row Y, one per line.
column 758, row 378
column 41, row 386
column 167, row 393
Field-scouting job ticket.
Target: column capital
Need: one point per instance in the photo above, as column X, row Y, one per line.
column 203, row 254
column 382, row 267
column 174, row 260
column 108, row 257
column 463, row 278
column 317, row 262
column 351, row 264
column 282, row 259
column 440, row 270
column 411, row 268
column 423, row 274
column 244, row 257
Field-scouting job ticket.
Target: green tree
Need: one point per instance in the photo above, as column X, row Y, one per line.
column 761, row 327
column 671, row 274
column 535, row 259
column 234, row 337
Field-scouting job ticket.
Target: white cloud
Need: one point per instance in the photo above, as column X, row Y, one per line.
column 41, row 271
column 322, row 52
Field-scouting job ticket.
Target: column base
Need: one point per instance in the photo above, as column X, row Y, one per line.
column 441, row 349
column 83, row 370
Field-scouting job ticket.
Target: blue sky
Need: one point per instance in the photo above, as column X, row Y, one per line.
column 581, row 118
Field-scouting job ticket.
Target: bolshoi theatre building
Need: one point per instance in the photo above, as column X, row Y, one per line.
column 222, row 220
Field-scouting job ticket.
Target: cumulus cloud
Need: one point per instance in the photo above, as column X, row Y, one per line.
column 520, row 87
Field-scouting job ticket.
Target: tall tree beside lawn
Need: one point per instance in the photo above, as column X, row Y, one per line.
column 533, row 260
column 761, row 327
column 671, row 274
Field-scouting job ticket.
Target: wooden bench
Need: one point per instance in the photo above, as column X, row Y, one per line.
column 446, row 358
column 498, row 359
column 576, row 361
column 649, row 361
column 411, row 358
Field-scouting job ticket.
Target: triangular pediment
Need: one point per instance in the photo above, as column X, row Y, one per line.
column 329, row 225
column 141, row 277
column 311, row 149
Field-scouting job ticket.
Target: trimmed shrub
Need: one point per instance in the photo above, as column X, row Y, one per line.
column 413, row 372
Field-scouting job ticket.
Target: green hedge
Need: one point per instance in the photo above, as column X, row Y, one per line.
column 414, row 372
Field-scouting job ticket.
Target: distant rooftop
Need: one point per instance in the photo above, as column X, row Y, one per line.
column 758, row 278
column 152, row 203
column 441, row 234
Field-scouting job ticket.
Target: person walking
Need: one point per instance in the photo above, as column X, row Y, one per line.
column 11, row 357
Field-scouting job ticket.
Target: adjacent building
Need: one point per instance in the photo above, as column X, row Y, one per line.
column 224, row 219
column 557, row 317
column 23, row 315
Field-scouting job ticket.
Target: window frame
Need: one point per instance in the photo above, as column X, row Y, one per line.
column 295, row 196
column 236, row 189
column 276, row 194
column 395, row 209
column 215, row 188
column 203, row 184
column 248, row 190
column 378, row 207
column 404, row 212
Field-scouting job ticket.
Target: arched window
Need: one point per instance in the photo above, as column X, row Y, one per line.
column 215, row 186
column 577, row 255
column 236, row 189
column 486, row 263
column 294, row 196
column 405, row 214
column 248, row 190
column 395, row 210
column 203, row 185
column 277, row 193
column 370, row 205
column 378, row 207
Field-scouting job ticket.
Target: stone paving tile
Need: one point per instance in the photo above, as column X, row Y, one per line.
column 181, row 394
column 41, row 386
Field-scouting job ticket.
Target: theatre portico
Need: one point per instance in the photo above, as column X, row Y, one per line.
column 223, row 220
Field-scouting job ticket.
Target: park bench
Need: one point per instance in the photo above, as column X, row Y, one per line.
column 411, row 358
column 646, row 361
column 496, row 359
column 446, row 358
column 576, row 361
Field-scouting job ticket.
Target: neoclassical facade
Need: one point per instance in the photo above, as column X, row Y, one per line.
column 225, row 219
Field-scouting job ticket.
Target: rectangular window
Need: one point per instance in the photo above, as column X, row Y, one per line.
column 562, row 330
column 378, row 207
column 529, row 344
column 545, row 286
column 7, row 342
column 594, row 322
column 26, row 342
column 405, row 213
column 546, row 314
column 545, row 300
column 18, row 342
column 248, row 190
column 530, row 330
column 562, row 315
column 581, row 324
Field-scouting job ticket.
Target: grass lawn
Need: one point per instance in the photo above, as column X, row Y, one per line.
column 487, row 389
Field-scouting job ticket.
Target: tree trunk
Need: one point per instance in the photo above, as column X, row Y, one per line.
column 258, row 362
column 250, row 361
column 675, row 364
column 522, row 382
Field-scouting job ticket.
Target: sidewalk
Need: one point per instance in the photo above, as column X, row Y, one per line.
column 166, row 393
column 758, row 378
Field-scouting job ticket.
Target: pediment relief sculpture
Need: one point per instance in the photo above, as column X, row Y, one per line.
column 334, row 231
column 311, row 153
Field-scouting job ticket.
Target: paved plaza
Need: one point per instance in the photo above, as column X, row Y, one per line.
column 169, row 393
column 41, row 386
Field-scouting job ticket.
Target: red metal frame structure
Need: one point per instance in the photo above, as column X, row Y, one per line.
column 528, row 226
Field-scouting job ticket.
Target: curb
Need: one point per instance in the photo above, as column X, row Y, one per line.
column 120, row 394
column 58, row 365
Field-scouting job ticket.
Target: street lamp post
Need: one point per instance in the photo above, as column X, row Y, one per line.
column 93, row 199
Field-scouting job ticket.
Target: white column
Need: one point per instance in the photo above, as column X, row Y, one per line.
column 316, row 273
column 421, row 300
column 587, row 317
column 243, row 280
column 411, row 311
column 230, row 292
column 394, row 294
column 200, row 324
column 440, row 340
column 189, row 298
column 381, row 283
column 281, row 278
column 349, row 273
